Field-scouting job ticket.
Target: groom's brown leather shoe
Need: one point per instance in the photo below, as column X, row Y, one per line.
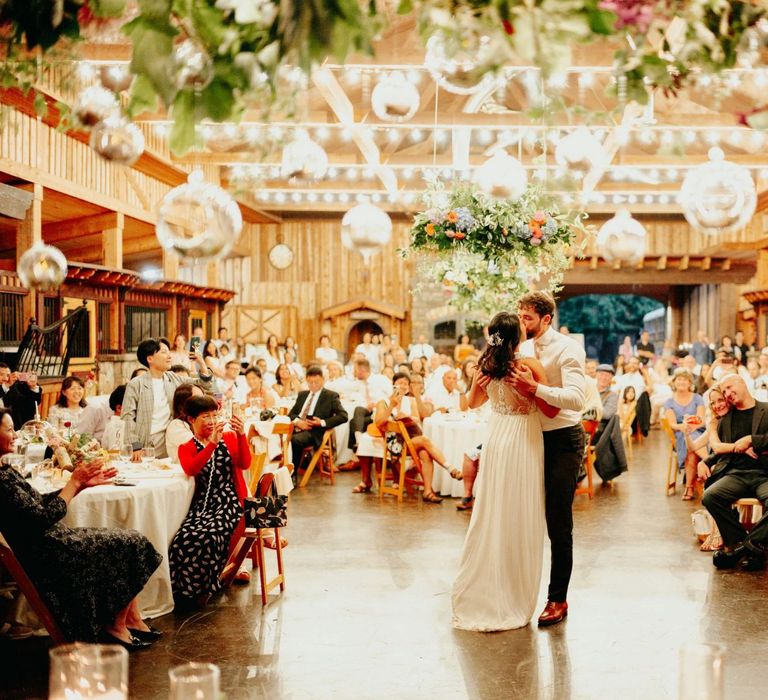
column 553, row 613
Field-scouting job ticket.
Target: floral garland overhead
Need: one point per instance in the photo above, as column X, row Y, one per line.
column 211, row 59
column 488, row 252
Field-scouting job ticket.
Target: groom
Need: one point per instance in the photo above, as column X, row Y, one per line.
column 563, row 360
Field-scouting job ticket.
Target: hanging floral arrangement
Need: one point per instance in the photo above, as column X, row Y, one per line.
column 488, row 252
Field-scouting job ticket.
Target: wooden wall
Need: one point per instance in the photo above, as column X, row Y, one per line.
column 323, row 274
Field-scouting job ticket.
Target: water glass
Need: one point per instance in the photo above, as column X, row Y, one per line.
column 701, row 672
column 126, row 452
column 257, row 405
column 194, row 681
column 44, row 473
column 149, row 456
column 88, row 672
column 15, row 461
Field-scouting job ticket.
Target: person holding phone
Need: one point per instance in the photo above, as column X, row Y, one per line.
column 149, row 397
column 217, row 460
column 23, row 398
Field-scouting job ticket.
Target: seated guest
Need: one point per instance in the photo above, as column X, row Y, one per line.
column 635, row 375
column 217, row 460
column 418, row 366
column 435, row 370
column 93, row 420
column 179, row 353
column 213, row 360
column 677, row 410
column 689, row 363
column 337, row 381
column 287, row 385
column 293, row 365
column 725, row 363
column 590, row 367
column 604, row 378
column 257, row 391
column 467, row 374
column 223, row 338
column 70, row 405
column 463, row 349
column 226, row 355
column 272, row 355
column 178, row 431
column 267, row 377
column 369, row 389
column 23, row 398
column 421, row 348
column 370, row 351
column 6, row 382
column 233, row 385
column 148, row 398
column 742, row 472
column 315, row 411
column 446, row 396
column 289, row 345
column 469, row 468
column 112, row 439
column 402, row 407
column 325, row 353
column 181, row 370
column 425, row 409
column 627, row 406
column 88, row 577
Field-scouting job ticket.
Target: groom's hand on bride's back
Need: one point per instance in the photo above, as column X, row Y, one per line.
column 522, row 379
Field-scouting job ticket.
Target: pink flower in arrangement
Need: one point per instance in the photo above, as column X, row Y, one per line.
column 540, row 217
column 631, row 13
column 450, row 234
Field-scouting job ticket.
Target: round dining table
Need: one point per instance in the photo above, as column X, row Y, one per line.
column 456, row 434
column 154, row 501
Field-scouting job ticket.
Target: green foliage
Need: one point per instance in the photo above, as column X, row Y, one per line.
column 609, row 314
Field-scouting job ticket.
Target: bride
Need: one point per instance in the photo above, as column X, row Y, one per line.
column 498, row 579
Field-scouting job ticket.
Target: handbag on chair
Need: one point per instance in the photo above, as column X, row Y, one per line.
column 264, row 512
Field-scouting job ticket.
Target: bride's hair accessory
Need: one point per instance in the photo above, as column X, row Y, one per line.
column 495, row 339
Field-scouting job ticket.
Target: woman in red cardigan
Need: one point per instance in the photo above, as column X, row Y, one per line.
column 217, row 460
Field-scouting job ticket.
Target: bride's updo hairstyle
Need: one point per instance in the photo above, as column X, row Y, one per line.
column 503, row 338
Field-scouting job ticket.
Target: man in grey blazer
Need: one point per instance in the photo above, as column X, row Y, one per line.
column 740, row 473
column 149, row 397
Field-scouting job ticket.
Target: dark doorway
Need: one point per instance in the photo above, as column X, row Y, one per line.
column 355, row 335
column 605, row 320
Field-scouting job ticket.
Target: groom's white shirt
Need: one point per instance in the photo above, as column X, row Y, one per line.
column 563, row 360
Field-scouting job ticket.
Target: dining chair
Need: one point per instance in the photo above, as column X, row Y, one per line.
column 406, row 477
column 670, row 480
column 746, row 507
column 590, row 427
column 16, row 570
column 325, row 455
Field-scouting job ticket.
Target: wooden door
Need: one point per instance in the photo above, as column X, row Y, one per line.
column 355, row 335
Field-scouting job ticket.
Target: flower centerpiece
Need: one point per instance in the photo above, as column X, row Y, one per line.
column 488, row 252
column 76, row 448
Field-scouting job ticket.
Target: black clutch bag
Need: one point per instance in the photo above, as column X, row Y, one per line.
column 264, row 512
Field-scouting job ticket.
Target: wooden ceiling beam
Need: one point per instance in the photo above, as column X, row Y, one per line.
column 82, row 226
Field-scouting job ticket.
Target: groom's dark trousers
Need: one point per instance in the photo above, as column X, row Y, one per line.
column 563, row 454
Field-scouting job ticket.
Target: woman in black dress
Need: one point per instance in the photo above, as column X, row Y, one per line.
column 88, row 577
column 217, row 460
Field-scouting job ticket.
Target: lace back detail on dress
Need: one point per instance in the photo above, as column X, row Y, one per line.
column 507, row 400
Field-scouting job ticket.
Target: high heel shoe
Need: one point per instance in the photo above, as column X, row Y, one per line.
column 150, row 635
column 134, row 645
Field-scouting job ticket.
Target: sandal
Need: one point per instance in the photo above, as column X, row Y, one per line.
column 269, row 543
column 688, row 493
column 243, row 576
column 362, row 488
column 456, row 474
column 431, row 498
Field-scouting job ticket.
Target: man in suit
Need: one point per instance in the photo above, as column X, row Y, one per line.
column 740, row 473
column 563, row 360
column 314, row 412
column 149, row 397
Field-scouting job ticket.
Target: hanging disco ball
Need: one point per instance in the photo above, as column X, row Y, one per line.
column 93, row 105
column 502, row 176
column 43, row 268
column 622, row 238
column 458, row 69
column 191, row 65
column 364, row 229
column 115, row 78
column 579, row 150
column 304, row 160
column 198, row 220
column 395, row 98
column 718, row 196
column 117, row 140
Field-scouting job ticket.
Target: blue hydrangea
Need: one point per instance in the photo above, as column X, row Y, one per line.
column 465, row 221
column 522, row 231
column 550, row 228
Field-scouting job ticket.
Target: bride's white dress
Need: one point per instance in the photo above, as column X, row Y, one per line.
column 500, row 570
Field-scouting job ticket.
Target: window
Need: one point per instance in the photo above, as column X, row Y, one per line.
column 141, row 323
column 445, row 330
column 103, row 332
column 12, row 325
column 80, row 342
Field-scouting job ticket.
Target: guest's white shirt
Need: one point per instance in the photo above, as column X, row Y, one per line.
column 93, row 419
column 419, row 350
column 592, row 398
column 376, row 388
column 239, row 388
column 298, row 370
column 633, row 379
column 371, row 353
column 178, row 433
column 343, row 386
column 563, row 360
column 112, row 439
column 326, row 355
column 439, row 397
column 718, row 373
column 435, row 379
column 269, row 379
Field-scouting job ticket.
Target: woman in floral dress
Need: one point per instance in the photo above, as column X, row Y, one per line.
column 217, row 460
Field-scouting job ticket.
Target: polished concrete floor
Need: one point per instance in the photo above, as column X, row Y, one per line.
column 367, row 610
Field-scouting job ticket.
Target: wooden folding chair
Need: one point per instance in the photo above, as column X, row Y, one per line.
column 590, row 427
column 405, row 480
column 626, row 432
column 325, row 455
column 253, row 538
column 746, row 507
column 285, row 433
column 14, row 567
column 670, row 480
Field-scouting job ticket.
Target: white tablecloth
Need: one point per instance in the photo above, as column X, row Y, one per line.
column 156, row 507
column 455, row 434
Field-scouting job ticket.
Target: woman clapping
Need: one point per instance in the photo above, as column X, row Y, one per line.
column 217, row 460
